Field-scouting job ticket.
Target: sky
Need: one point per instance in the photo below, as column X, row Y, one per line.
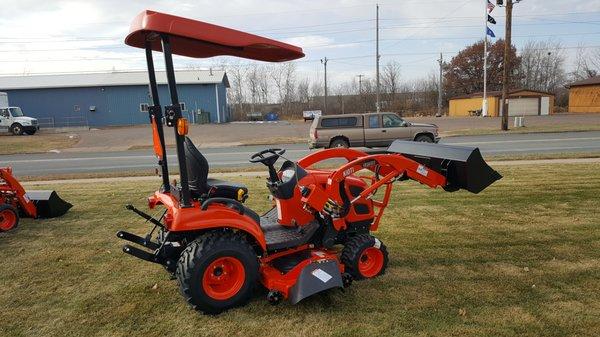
column 86, row 36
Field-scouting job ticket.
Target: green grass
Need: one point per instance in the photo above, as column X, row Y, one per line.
column 520, row 259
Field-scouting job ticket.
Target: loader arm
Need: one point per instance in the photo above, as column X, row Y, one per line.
column 387, row 168
column 10, row 187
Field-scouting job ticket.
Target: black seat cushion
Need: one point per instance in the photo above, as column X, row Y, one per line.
column 226, row 189
column 200, row 185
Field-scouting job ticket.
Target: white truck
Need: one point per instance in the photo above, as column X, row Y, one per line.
column 13, row 120
column 311, row 114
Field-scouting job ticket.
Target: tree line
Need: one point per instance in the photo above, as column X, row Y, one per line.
column 539, row 65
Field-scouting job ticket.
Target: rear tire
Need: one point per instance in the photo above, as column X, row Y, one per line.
column 9, row 218
column 217, row 271
column 339, row 142
column 424, row 139
column 16, row 129
column 364, row 256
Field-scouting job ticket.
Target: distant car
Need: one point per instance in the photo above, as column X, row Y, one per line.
column 311, row 114
column 367, row 130
column 12, row 119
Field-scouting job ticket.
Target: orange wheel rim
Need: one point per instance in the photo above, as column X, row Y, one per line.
column 8, row 219
column 370, row 262
column 223, row 278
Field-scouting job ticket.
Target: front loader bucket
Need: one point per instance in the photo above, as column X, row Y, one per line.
column 48, row 204
column 463, row 167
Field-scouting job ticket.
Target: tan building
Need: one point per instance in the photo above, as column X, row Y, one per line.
column 584, row 96
column 522, row 102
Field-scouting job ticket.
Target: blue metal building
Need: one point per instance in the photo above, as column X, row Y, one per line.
column 116, row 98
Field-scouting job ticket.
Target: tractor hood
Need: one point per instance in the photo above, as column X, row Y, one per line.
column 463, row 167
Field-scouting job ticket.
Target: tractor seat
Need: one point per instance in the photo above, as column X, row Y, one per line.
column 200, row 185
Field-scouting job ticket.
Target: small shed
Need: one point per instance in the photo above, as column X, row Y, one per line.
column 584, row 96
column 522, row 102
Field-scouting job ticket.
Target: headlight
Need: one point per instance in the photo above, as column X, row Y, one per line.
column 287, row 175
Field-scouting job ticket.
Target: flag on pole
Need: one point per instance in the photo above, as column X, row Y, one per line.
column 491, row 20
column 490, row 6
column 490, row 32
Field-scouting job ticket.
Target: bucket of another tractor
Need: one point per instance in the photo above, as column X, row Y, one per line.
column 463, row 167
column 48, row 204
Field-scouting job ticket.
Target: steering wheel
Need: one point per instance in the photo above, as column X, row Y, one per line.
column 263, row 157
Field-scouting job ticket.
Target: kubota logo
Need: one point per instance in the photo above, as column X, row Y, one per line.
column 369, row 163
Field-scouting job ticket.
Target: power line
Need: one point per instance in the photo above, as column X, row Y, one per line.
column 140, row 57
column 438, row 20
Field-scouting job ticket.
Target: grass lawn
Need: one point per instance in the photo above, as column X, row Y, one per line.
column 37, row 143
column 520, row 259
column 526, row 129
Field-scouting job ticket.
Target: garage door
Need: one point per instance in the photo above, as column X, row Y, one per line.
column 523, row 106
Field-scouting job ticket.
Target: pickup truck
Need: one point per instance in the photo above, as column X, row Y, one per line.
column 367, row 130
column 13, row 120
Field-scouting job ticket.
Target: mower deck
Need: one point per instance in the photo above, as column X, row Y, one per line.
column 283, row 237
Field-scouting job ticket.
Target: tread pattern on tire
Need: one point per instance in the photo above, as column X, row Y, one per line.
column 353, row 250
column 205, row 244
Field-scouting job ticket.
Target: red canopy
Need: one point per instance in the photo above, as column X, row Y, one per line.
column 200, row 39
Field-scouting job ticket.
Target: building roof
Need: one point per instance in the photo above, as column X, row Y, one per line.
column 499, row 93
column 589, row 81
column 116, row 78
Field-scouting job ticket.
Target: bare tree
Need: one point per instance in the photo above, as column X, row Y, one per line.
column 304, row 91
column 542, row 66
column 587, row 63
column 252, row 79
column 391, row 77
column 237, row 75
column 284, row 79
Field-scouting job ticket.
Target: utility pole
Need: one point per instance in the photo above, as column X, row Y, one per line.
column 324, row 62
column 360, row 95
column 506, row 63
column 377, row 56
column 440, row 82
column 360, row 76
column 484, row 108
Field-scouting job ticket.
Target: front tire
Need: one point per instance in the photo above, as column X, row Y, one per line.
column 30, row 132
column 364, row 256
column 339, row 142
column 16, row 129
column 9, row 218
column 217, row 271
column 424, row 139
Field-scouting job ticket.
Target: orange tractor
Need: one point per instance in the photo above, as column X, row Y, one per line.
column 317, row 235
column 15, row 202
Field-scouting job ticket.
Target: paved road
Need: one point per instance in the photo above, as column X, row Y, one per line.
column 66, row 163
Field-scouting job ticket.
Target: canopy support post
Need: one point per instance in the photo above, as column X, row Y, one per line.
column 173, row 114
column 155, row 112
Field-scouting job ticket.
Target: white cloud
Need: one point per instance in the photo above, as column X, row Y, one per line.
column 88, row 35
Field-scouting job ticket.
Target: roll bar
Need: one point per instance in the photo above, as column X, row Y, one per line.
column 171, row 34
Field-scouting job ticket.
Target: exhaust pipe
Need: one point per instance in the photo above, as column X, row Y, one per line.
column 48, row 204
column 463, row 167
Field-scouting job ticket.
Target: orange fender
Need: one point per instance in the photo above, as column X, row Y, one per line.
column 215, row 216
